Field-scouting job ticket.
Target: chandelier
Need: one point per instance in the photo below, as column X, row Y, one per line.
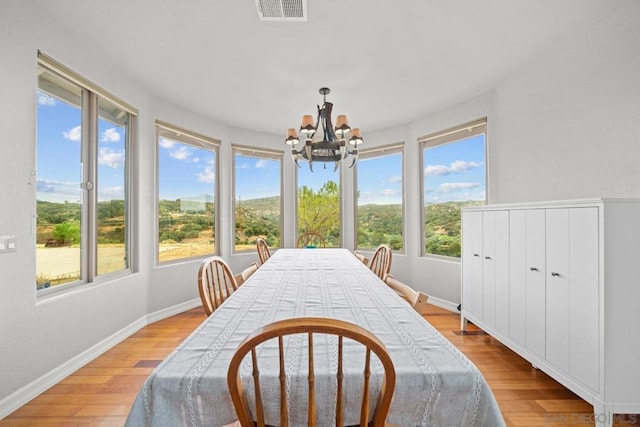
column 323, row 142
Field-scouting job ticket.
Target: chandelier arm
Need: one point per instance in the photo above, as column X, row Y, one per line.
column 354, row 153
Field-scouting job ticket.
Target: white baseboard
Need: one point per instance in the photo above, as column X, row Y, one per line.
column 38, row 386
column 443, row 303
column 173, row 310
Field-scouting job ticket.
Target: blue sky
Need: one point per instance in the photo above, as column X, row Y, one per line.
column 256, row 178
column 455, row 172
column 185, row 171
column 452, row 172
column 380, row 180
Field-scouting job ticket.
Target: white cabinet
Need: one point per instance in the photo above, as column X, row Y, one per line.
column 556, row 282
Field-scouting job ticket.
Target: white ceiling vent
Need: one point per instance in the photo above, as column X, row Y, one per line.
column 282, row 10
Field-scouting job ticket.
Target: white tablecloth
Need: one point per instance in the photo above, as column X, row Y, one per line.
column 436, row 385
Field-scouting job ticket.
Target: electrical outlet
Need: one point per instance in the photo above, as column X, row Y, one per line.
column 8, row 244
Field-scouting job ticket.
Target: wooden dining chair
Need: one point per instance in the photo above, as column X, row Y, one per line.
column 311, row 239
column 215, row 283
column 245, row 274
column 263, row 250
column 416, row 299
column 380, row 262
column 362, row 258
column 311, row 326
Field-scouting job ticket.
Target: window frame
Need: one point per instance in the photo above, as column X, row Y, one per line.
column 269, row 154
column 440, row 138
column 185, row 136
column 372, row 153
column 90, row 118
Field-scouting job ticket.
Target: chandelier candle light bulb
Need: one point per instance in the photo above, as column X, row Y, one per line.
column 323, row 142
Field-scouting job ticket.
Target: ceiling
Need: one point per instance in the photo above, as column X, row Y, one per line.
column 387, row 62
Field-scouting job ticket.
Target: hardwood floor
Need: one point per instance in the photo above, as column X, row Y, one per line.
column 101, row 392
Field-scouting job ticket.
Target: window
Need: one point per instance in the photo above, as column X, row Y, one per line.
column 82, row 206
column 453, row 176
column 257, row 186
column 187, row 194
column 319, row 204
column 379, row 193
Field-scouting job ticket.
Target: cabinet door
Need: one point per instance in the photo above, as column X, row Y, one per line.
column 488, row 268
column 500, row 260
column 583, row 306
column 518, row 268
column 472, row 263
column 535, row 283
column 558, row 287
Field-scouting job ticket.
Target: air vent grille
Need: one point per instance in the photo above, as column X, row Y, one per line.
column 282, row 10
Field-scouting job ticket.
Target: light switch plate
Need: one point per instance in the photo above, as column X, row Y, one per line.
column 8, row 244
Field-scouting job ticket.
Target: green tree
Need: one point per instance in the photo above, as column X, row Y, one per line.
column 319, row 211
column 68, row 232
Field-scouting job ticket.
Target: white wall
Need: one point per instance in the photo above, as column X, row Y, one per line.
column 567, row 125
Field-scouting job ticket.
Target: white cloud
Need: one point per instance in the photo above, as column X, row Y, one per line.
column 390, row 193
column 455, row 167
column 436, row 170
column 58, row 191
column 110, row 135
column 111, row 158
column 461, row 166
column 382, row 197
column 73, row 134
column 44, row 99
column 110, row 193
column 166, row 143
column 207, row 176
column 178, row 152
column 395, row 179
column 454, row 186
column 261, row 163
column 181, row 153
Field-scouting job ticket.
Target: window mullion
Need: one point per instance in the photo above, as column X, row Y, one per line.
column 91, row 185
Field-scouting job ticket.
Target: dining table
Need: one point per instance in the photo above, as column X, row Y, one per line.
column 436, row 385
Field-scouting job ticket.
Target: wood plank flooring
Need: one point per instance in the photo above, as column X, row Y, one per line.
column 101, row 392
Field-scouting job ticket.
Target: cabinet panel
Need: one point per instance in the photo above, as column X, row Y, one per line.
column 501, row 265
column 517, row 275
column 488, row 268
column 583, row 306
column 472, row 267
column 495, row 269
column 535, row 282
column 558, row 280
